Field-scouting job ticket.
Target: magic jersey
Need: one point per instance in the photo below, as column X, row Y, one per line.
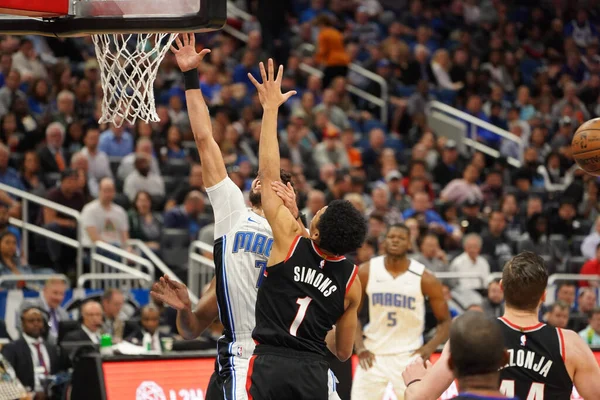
column 396, row 309
column 243, row 242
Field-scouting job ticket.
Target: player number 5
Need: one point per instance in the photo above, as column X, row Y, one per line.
column 391, row 318
column 303, row 303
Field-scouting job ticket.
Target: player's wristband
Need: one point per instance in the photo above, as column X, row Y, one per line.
column 191, row 79
column 413, row 381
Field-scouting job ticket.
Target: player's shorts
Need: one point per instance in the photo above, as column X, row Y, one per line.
column 280, row 373
column 223, row 386
column 373, row 383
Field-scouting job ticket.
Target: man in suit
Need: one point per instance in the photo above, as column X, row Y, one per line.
column 52, row 156
column 91, row 322
column 112, row 303
column 30, row 356
column 148, row 332
column 50, row 300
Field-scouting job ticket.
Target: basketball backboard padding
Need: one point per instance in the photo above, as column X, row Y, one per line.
column 87, row 17
column 37, row 8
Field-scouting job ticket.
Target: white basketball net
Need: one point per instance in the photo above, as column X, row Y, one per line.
column 128, row 67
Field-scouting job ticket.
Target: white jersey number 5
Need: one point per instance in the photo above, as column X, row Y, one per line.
column 536, row 391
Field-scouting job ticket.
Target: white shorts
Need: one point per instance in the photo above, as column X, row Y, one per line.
column 383, row 380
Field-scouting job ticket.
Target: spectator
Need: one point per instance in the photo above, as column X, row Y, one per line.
column 586, row 303
column 31, row 353
column 331, row 151
column 173, row 149
column 30, row 177
column 367, row 251
column 421, row 208
column 591, row 267
column 26, row 61
column 441, row 65
column 591, row 334
column 67, row 195
column 461, row 190
column 143, row 180
column 562, row 222
column 471, row 221
column 116, row 142
column 314, row 202
column 448, row 166
column 50, row 300
column 496, row 244
column 144, row 224
column 431, row 255
column 11, row 386
column 566, row 292
column 331, row 53
column 558, row 316
column 148, row 334
column 589, row 246
column 104, row 220
column 333, row 112
column 187, row 215
column 194, row 182
column 112, row 306
column 581, row 29
column 493, row 304
column 8, row 176
column 91, row 322
column 470, row 261
column 380, row 196
column 65, row 113
column 127, row 165
column 10, row 92
column 10, row 264
column 52, row 156
column 99, row 165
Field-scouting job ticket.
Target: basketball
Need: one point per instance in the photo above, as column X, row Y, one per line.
column 586, row 146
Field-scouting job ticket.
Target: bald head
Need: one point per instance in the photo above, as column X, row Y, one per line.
column 91, row 315
column 476, row 346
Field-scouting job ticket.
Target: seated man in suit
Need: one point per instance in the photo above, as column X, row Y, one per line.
column 91, row 322
column 112, row 304
column 32, row 357
column 148, row 332
column 50, row 300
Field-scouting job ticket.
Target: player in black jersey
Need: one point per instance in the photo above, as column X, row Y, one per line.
column 308, row 287
column 544, row 362
column 477, row 353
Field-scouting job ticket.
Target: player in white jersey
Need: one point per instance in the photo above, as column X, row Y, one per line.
column 395, row 288
column 243, row 241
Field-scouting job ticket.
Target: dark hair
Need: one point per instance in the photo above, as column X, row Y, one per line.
column 372, row 241
column 255, row 198
column 476, row 345
column 323, row 19
column 561, row 284
column 595, row 310
column 342, row 228
column 524, row 278
column 398, row 226
column 497, row 281
column 137, row 196
column 377, row 216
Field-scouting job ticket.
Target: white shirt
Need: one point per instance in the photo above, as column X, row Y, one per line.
column 588, row 247
column 464, row 263
column 94, row 336
column 153, row 339
column 109, row 223
column 135, row 182
column 98, row 164
column 37, row 366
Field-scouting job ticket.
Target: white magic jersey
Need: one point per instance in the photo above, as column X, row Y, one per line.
column 243, row 242
column 396, row 309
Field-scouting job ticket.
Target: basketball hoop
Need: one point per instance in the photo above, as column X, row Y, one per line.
column 128, row 67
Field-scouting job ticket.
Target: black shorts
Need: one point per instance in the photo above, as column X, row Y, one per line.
column 278, row 373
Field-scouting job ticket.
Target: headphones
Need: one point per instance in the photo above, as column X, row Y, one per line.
column 45, row 317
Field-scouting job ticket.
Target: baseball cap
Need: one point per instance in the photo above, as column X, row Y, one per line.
column 394, row 174
column 450, row 144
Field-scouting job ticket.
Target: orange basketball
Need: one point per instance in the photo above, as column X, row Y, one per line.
column 586, row 146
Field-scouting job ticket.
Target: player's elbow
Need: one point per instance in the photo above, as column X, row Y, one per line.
column 343, row 354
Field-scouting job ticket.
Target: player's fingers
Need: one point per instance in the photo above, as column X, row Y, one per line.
column 192, row 39
column 263, row 72
column 271, row 70
column 186, row 39
column 279, row 74
column 204, row 52
column 289, row 94
column 254, row 81
column 178, row 42
column 174, row 49
column 428, row 364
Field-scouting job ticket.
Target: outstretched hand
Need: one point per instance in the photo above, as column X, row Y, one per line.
column 185, row 53
column 171, row 292
column 269, row 92
column 288, row 195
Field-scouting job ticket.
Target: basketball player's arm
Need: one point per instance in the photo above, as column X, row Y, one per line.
column 346, row 325
column 191, row 324
column 429, row 384
column 432, row 289
column 213, row 166
column 365, row 357
column 285, row 228
column 586, row 373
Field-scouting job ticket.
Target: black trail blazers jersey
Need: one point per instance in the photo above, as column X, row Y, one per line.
column 301, row 298
column 536, row 369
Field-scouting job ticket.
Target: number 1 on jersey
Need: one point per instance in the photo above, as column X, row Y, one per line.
column 303, row 303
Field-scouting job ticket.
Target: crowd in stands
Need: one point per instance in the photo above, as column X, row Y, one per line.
column 467, row 212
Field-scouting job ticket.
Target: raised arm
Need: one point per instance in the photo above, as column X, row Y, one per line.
column 284, row 225
column 365, row 357
column 213, row 166
column 432, row 289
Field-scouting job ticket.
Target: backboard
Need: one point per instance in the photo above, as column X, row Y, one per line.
column 64, row 18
